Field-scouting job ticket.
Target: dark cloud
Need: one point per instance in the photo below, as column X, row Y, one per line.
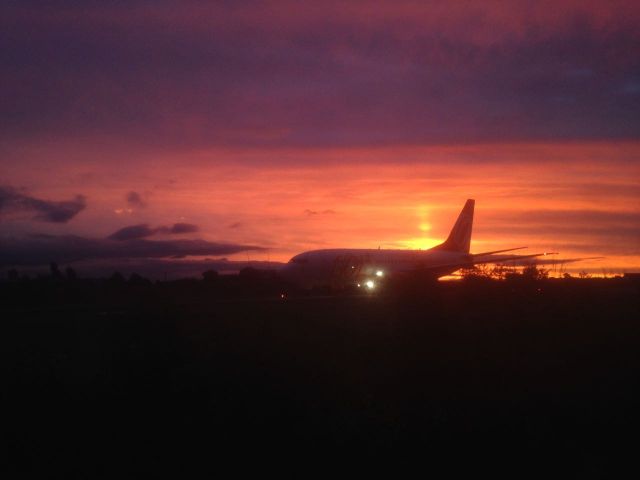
column 155, row 268
column 143, row 231
column 179, row 228
column 134, row 199
column 133, row 232
column 235, row 225
column 265, row 73
column 45, row 210
column 41, row 249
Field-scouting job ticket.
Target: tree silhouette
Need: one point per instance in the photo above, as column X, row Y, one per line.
column 71, row 275
column 210, row 276
column 56, row 274
column 137, row 279
column 502, row 271
column 532, row 272
column 117, row 278
column 480, row 271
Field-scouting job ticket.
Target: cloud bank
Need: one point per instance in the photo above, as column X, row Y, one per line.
column 12, row 200
column 143, row 230
column 42, row 249
column 333, row 73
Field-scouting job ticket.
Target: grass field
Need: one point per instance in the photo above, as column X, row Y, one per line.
column 126, row 380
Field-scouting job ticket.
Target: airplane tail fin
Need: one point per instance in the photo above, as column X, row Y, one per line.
column 459, row 240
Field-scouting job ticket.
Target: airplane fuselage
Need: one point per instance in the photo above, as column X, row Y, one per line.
column 345, row 267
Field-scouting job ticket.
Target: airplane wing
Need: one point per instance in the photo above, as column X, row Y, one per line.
column 517, row 260
column 472, row 261
column 510, row 258
column 483, row 254
column 552, row 261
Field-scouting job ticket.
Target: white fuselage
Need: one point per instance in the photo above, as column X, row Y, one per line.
column 349, row 267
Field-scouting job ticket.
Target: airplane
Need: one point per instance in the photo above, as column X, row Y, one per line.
column 368, row 268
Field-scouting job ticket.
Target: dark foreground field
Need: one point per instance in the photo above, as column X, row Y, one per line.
column 123, row 380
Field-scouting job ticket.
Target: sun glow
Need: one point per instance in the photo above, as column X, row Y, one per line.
column 280, row 206
column 420, row 243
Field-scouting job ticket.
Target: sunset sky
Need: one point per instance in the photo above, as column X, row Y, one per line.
column 254, row 130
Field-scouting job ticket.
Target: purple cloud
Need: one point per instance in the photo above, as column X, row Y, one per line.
column 42, row 249
column 134, row 199
column 133, row 232
column 45, row 210
column 179, row 228
column 143, row 230
column 189, row 74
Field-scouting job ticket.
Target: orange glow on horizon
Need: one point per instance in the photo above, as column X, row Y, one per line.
column 578, row 199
